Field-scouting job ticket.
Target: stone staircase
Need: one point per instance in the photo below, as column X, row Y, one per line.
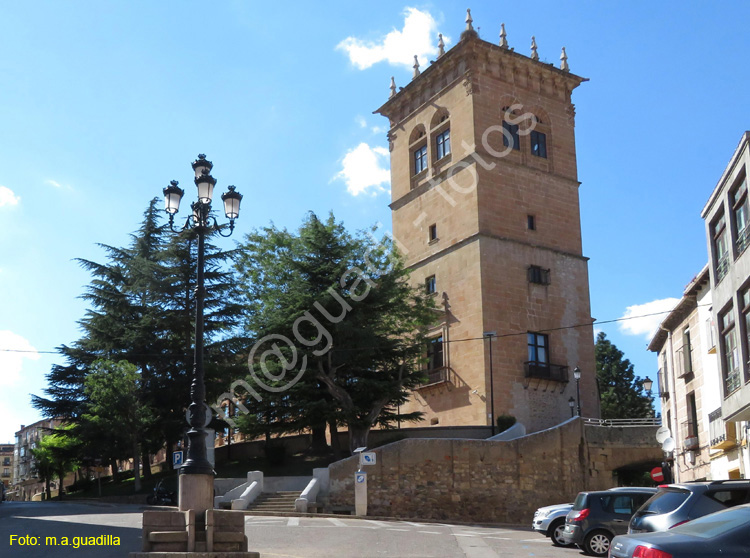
column 273, row 502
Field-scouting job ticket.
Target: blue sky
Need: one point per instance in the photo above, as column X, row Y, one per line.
column 103, row 103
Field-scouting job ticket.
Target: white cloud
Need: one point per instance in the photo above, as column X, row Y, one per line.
column 53, row 183
column 13, row 349
column 363, row 170
column 644, row 319
column 7, row 197
column 418, row 36
column 360, row 120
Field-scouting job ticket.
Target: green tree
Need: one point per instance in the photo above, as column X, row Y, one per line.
column 55, row 457
column 354, row 325
column 114, row 405
column 143, row 311
column 621, row 391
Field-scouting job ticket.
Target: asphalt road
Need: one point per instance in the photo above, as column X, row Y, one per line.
column 273, row 537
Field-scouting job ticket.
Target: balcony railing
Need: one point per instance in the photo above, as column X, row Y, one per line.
column 723, row 434
column 690, row 431
column 732, row 381
column 743, row 240
column 434, row 377
column 545, row 371
column 722, row 267
column 650, row 421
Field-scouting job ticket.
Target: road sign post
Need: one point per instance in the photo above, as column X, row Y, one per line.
column 360, row 493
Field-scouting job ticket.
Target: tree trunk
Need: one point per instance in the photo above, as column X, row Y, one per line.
column 115, row 470
column 358, row 437
column 47, row 483
column 335, row 441
column 319, row 445
column 146, row 461
column 61, row 476
column 136, row 466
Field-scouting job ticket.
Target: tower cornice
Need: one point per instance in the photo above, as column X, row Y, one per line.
column 470, row 57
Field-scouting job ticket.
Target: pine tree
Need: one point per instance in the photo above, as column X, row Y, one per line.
column 621, row 391
column 354, row 324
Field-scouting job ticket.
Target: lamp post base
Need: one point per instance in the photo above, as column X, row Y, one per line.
column 196, row 493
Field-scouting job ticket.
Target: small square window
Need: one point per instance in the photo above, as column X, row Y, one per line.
column 430, row 285
column 538, row 275
column 531, row 222
column 539, row 144
column 432, row 234
column 420, row 159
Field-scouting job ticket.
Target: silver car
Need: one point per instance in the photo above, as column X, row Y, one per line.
column 725, row 533
column 550, row 521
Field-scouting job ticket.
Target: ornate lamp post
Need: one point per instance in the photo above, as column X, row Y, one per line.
column 196, row 475
column 577, row 376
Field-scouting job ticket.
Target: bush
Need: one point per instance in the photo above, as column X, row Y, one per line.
column 505, row 421
column 275, row 453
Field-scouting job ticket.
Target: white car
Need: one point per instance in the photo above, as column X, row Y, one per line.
column 550, row 521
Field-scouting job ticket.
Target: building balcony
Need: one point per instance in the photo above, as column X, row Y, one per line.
column 663, row 384
column 435, row 377
column 690, row 431
column 723, row 434
column 722, row 268
column 736, row 404
column 545, row 371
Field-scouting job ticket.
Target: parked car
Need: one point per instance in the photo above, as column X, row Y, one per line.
column 725, row 533
column 675, row 504
column 550, row 521
column 596, row 517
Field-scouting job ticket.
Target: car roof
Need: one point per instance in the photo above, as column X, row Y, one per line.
column 638, row 489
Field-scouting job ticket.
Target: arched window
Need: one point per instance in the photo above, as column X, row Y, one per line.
column 418, row 150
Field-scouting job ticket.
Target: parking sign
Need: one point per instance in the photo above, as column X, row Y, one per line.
column 177, row 459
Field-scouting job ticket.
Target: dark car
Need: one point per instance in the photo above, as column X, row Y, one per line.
column 597, row 517
column 725, row 533
column 675, row 504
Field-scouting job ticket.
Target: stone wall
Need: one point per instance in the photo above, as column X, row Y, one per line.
column 487, row 481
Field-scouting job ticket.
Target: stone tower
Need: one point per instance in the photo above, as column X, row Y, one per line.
column 485, row 209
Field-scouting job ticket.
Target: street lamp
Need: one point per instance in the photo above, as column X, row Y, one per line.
column 571, row 404
column 647, row 385
column 489, row 335
column 577, row 376
column 196, row 475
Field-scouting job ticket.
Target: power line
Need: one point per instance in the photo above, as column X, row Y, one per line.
column 512, row 334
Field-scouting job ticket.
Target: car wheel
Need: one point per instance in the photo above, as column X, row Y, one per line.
column 556, row 533
column 597, row 543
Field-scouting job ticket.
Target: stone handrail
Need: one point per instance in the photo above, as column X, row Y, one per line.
column 309, row 494
column 248, row 496
column 243, row 492
column 319, row 483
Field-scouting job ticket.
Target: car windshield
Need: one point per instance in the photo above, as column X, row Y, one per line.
column 713, row 525
column 664, row 502
column 580, row 501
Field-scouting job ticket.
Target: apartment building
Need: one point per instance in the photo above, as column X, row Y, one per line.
column 26, row 482
column 6, row 464
column 726, row 216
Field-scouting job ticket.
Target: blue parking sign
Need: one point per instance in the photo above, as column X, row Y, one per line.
column 177, row 458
